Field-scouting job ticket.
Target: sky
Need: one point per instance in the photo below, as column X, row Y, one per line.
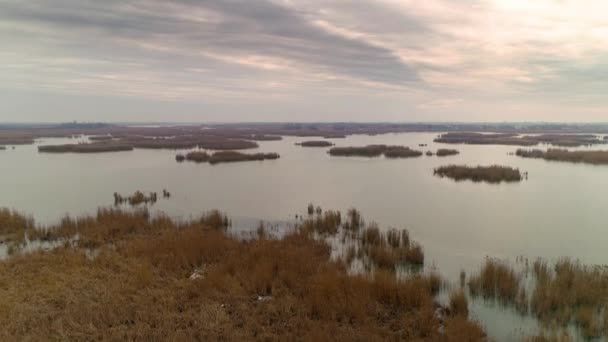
column 303, row 60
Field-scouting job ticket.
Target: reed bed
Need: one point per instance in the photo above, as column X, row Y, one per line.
column 153, row 278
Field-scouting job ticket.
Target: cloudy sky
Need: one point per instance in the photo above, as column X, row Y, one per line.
column 303, row 60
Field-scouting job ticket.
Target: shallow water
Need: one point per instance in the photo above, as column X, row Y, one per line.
column 559, row 211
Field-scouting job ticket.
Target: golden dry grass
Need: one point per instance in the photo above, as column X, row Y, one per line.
column 158, row 279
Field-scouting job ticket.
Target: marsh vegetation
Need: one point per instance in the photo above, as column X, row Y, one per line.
column 85, row 148
column 490, row 174
column 444, row 152
column 375, row 151
column 315, row 143
column 588, row 157
column 563, row 293
column 571, row 140
column 224, row 157
column 154, row 278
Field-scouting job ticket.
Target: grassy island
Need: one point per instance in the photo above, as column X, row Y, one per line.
column 315, row 143
column 154, row 278
column 587, row 157
column 375, row 151
column 401, row 152
column 85, row 148
column 444, row 152
column 224, row 157
column 490, row 174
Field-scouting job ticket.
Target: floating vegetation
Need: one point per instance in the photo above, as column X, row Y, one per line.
column 490, row 174
column 224, row 157
column 155, row 278
column 375, row 151
column 587, row 157
column 315, row 143
column 444, row 152
column 85, row 148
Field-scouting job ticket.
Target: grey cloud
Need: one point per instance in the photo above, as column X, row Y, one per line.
column 245, row 28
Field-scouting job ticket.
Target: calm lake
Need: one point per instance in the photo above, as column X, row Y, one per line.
column 560, row 210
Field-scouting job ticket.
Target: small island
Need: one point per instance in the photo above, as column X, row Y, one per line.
column 489, row 174
column 224, row 157
column 315, row 143
column 85, row 148
column 444, row 152
column 401, row 152
column 552, row 154
column 375, row 151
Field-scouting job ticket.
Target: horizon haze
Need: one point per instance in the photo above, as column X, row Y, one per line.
column 308, row 60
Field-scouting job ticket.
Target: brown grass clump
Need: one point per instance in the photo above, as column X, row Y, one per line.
column 458, row 303
column 197, row 157
column 490, row 174
column 375, row 151
column 315, row 143
column 231, row 156
column 215, row 220
column 444, row 152
column 401, row 152
column 224, row 157
column 355, row 221
column 157, row 279
column 552, row 154
column 365, row 151
column 14, row 226
column 496, row 279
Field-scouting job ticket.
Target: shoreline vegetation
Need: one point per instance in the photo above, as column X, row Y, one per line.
column 564, row 140
column 315, row 143
column 587, row 157
column 224, row 157
column 130, row 275
column 489, row 174
column 85, row 148
column 564, row 293
column 375, row 151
